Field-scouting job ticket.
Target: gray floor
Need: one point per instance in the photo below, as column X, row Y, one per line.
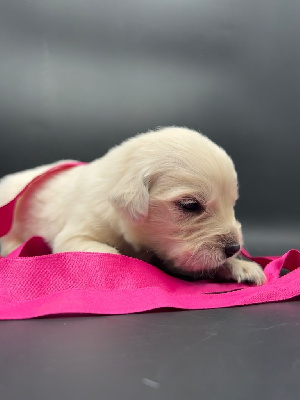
column 240, row 353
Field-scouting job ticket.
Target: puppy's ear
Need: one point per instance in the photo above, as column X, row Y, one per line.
column 131, row 196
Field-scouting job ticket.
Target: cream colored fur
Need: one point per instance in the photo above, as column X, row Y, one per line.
column 130, row 201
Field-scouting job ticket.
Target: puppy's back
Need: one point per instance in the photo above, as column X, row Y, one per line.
column 11, row 185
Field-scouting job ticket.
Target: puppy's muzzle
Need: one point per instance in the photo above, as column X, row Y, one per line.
column 231, row 249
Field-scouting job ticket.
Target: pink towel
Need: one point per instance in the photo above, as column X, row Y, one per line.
column 34, row 282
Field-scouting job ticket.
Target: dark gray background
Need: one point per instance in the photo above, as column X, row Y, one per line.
column 77, row 77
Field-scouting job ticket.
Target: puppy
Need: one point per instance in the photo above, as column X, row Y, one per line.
column 166, row 195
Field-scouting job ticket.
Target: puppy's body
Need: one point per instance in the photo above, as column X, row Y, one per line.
column 168, row 193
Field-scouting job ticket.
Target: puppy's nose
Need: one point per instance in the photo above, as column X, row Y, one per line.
column 232, row 249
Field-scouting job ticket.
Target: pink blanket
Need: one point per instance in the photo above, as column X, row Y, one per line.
column 34, row 282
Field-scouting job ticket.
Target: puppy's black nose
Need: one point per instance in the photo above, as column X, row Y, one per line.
column 232, row 249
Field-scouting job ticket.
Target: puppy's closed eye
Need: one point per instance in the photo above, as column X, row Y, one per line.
column 190, row 205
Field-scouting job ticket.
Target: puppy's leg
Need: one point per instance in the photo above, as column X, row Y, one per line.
column 9, row 243
column 81, row 243
column 242, row 271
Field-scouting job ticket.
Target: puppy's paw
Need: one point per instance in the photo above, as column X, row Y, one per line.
column 242, row 271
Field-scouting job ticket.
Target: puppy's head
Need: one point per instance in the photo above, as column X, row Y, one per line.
column 176, row 197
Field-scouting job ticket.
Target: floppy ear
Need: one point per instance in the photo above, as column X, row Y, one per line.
column 130, row 196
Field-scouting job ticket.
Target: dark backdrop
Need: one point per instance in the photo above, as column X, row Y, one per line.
column 77, row 77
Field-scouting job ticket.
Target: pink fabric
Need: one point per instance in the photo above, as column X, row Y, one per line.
column 34, row 282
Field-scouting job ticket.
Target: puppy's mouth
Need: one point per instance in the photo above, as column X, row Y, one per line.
column 191, row 276
column 192, row 273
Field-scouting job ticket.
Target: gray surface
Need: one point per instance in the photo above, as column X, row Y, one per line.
column 77, row 77
column 228, row 354
column 271, row 239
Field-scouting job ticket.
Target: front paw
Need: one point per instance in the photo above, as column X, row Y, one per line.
column 242, row 271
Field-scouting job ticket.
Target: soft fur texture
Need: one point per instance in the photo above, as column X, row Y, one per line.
column 166, row 195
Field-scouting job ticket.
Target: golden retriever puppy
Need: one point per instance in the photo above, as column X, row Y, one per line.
column 165, row 196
